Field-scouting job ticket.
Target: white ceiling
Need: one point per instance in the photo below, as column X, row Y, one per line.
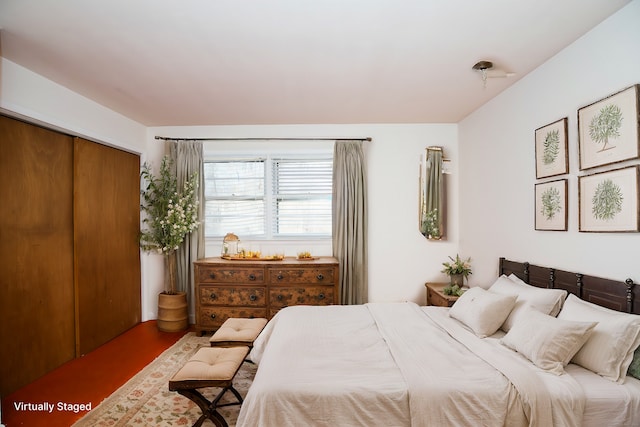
column 215, row 62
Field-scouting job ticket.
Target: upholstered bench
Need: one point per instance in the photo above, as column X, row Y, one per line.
column 210, row 367
column 235, row 331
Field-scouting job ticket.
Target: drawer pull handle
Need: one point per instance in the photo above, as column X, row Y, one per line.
column 253, row 297
column 252, row 277
column 321, row 296
column 213, row 296
column 320, row 277
column 280, row 277
column 212, row 275
column 279, row 297
column 213, row 316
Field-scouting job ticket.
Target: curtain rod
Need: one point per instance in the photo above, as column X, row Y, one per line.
column 167, row 138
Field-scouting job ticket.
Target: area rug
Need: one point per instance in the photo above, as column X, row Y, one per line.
column 146, row 400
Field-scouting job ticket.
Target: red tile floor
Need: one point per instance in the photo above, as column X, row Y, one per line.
column 87, row 379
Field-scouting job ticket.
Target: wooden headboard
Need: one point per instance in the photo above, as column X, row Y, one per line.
column 616, row 295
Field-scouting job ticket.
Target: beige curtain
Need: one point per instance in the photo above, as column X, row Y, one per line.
column 187, row 159
column 350, row 220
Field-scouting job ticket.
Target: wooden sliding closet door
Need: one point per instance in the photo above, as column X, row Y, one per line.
column 106, row 230
column 36, row 252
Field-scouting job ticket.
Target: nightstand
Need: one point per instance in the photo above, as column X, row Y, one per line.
column 435, row 295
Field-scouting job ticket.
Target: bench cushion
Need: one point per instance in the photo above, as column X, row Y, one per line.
column 236, row 331
column 211, row 365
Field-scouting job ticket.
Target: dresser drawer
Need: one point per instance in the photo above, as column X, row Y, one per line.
column 230, row 274
column 301, row 275
column 211, row 318
column 284, row 296
column 239, row 295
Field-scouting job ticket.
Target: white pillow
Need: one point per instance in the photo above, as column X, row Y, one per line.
column 548, row 342
column 516, row 279
column 609, row 350
column 541, row 298
column 482, row 311
column 547, row 301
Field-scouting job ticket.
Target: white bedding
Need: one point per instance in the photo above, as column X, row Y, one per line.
column 397, row 365
column 608, row 403
column 317, row 367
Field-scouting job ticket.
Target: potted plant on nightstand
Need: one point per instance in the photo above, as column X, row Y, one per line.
column 171, row 214
column 457, row 270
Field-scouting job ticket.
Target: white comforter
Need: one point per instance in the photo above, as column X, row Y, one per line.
column 396, row 365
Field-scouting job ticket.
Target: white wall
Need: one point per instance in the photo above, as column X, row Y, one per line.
column 400, row 258
column 27, row 94
column 497, row 159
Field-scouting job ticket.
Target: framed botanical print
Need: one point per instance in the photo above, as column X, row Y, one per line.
column 551, row 205
column 551, row 149
column 609, row 130
column 608, row 201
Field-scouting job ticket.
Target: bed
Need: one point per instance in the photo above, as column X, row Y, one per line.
column 559, row 355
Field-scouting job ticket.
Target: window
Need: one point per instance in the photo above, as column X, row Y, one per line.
column 273, row 197
column 234, row 197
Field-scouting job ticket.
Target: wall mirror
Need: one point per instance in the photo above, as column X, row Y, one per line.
column 431, row 205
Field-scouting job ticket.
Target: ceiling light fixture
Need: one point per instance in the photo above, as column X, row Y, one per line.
column 483, row 66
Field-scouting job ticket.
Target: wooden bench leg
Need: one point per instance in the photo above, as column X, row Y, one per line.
column 209, row 408
column 224, row 390
column 210, row 367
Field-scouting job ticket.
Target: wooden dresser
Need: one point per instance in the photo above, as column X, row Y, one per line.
column 248, row 288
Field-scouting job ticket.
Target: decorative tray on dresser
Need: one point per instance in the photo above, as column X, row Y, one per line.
column 259, row 288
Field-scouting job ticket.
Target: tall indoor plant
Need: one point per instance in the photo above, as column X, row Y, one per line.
column 171, row 214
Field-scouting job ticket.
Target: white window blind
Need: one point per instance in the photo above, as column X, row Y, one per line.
column 235, row 197
column 269, row 198
column 302, row 197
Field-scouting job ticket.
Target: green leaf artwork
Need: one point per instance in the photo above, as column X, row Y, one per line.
column 551, row 147
column 606, row 125
column 550, row 203
column 607, row 200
